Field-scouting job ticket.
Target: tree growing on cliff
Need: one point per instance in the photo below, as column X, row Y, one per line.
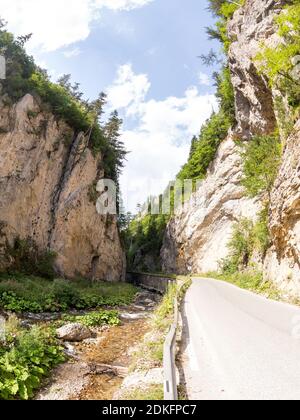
column 261, row 160
column 117, row 152
column 65, row 82
column 280, row 63
column 64, row 99
column 218, row 6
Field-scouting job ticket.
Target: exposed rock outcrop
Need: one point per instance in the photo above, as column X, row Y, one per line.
column 282, row 264
column 46, row 171
column 197, row 240
column 252, row 25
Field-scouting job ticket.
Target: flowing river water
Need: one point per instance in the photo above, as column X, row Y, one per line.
column 96, row 367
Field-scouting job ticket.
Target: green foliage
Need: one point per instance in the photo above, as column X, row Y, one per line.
column 260, row 233
column 26, row 361
column 277, row 63
column 284, row 118
column 19, row 66
column 211, row 136
column 147, row 393
column 225, row 93
column 224, row 10
column 247, row 238
column 143, row 237
column 261, row 160
column 150, row 353
column 96, row 319
column 250, row 280
column 240, row 247
column 28, row 259
column 20, row 293
column 166, row 308
column 213, row 132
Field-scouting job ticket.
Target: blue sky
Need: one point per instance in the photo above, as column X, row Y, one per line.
column 143, row 53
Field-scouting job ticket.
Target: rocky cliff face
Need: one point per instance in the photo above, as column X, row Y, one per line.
column 282, row 264
column 251, row 26
column 197, row 240
column 46, row 172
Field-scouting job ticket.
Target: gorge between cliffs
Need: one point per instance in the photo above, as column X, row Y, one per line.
column 87, row 288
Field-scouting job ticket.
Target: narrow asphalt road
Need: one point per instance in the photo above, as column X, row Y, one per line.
column 238, row 345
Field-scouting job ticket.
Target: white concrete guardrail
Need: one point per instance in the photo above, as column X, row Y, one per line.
column 169, row 364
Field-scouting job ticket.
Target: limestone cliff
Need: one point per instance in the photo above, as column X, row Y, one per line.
column 282, row 264
column 197, row 240
column 46, row 171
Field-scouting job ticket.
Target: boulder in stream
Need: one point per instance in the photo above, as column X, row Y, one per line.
column 74, row 332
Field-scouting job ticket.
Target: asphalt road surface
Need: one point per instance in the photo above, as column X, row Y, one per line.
column 238, row 345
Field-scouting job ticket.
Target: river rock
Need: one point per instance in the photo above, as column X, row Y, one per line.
column 74, row 332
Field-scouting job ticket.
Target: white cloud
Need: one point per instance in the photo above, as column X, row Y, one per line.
column 121, row 4
column 129, row 90
column 204, row 79
column 74, row 52
column 58, row 23
column 160, row 140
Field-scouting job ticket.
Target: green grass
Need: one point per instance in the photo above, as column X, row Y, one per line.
column 251, row 280
column 20, row 293
column 150, row 352
column 149, row 393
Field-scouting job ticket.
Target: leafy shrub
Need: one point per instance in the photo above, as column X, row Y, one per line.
column 96, row 319
column 261, row 234
column 261, row 160
column 247, row 238
column 277, row 62
column 166, row 308
column 249, row 280
column 240, row 247
column 24, row 364
column 19, row 293
column 284, row 118
column 28, row 259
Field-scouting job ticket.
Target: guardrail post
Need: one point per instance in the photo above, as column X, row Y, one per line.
column 170, row 382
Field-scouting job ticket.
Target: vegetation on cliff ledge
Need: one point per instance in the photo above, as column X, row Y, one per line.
column 281, row 63
column 144, row 235
column 64, row 100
